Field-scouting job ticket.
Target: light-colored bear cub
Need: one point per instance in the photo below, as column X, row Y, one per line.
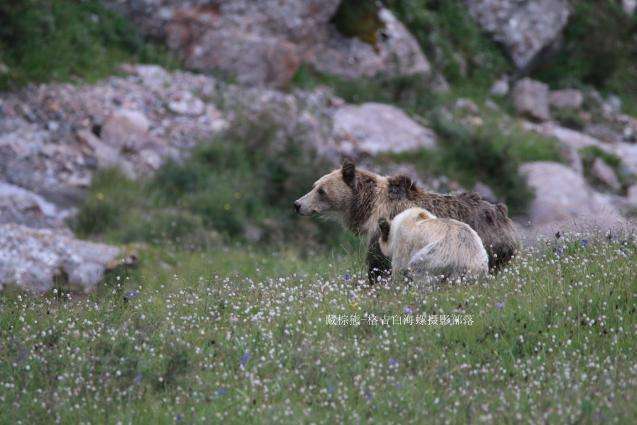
column 425, row 247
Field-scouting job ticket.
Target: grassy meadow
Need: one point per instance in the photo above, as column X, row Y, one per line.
column 240, row 311
column 241, row 335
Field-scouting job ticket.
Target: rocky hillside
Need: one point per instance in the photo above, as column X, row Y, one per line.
column 502, row 97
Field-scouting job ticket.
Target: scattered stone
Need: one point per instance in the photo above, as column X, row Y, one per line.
column 605, row 174
column 531, row 99
column 466, row 105
column 525, row 28
column 612, row 106
column 106, row 156
column 35, row 259
column 184, row 103
column 603, row 133
column 572, row 158
column 501, row 87
column 567, row 99
column 125, row 129
column 363, row 129
column 631, row 195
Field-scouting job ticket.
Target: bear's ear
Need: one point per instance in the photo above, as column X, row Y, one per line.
column 401, row 187
column 348, row 170
column 384, row 227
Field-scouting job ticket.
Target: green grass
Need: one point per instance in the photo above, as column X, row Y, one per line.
column 66, row 39
column 241, row 336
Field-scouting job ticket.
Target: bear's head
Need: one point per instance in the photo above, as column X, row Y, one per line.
column 331, row 193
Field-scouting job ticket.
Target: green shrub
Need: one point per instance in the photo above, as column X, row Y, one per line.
column 106, row 203
column 359, row 18
column 58, row 40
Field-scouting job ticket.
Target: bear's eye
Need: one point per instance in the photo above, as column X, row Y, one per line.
column 321, row 191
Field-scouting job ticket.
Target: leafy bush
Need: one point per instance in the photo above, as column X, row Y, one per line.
column 57, row 40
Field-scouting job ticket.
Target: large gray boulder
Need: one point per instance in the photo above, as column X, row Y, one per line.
column 35, row 259
column 563, row 200
column 396, row 53
column 18, row 205
column 373, row 128
column 524, row 27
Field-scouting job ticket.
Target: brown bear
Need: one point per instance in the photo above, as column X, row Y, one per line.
column 361, row 198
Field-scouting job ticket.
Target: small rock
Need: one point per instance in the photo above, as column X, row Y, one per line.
column 603, row 133
column 467, row 105
column 106, row 156
column 4, row 69
column 125, row 129
column 572, row 157
column 567, row 99
column 531, row 98
column 631, row 195
column 185, row 103
column 612, row 105
column 629, row 6
column 605, row 174
column 501, row 87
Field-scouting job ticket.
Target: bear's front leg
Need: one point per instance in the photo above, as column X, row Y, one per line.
column 378, row 266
